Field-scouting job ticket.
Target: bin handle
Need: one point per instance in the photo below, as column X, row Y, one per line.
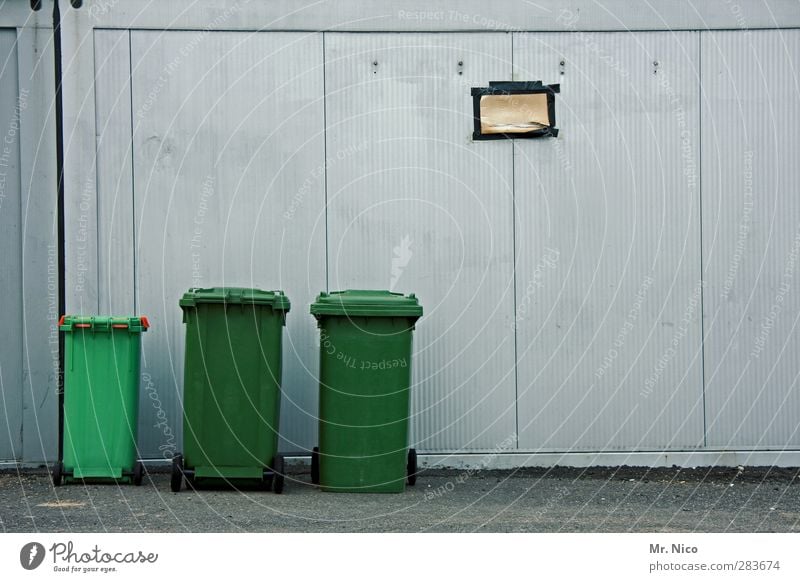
column 143, row 319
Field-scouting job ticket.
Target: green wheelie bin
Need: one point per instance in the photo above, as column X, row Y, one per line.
column 101, row 399
column 232, row 387
column 365, row 379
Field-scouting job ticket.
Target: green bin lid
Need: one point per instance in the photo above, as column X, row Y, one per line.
column 103, row 323
column 362, row 303
column 235, row 295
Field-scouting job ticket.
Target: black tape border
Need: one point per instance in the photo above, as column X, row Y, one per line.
column 514, row 88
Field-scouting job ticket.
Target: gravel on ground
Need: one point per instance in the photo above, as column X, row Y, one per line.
column 600, row 499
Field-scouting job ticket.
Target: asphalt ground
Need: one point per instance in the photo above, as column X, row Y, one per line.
column 528, row 500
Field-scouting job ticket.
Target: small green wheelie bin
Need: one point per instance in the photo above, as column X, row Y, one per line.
column 101, row 398
column 365, row 379
column 231, row 387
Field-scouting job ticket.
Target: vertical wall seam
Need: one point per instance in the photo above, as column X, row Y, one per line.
column 133, row 178
column 702, row 250
column 18, row 455
column 514, row 267
column 96, row 179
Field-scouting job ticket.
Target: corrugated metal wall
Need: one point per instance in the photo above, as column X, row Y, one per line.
column 751, row 237
column 608, row 238
column 414, row 205
column 28, row 253
column 307, row 161
column 228, row 142
column 603, row 311
column 11, row 256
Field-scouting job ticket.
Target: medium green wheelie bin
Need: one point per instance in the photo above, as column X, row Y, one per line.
column 365, row 379
column 231, row 387
column 101, row 398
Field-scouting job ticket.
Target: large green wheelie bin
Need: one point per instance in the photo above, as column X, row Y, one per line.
column 101, row 398
column 231, row 387
column 365, row 379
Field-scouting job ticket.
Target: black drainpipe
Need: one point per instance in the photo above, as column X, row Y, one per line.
column 62, row 296
column 36, row 5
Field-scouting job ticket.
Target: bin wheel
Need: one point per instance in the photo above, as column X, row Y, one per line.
column 176, row 479
column 315, row 465
column 138, row 473
column 57, row 473
column 266, row 479
column 412, row 466
column 277, row 479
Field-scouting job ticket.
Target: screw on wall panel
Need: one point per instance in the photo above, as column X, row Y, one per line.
column 561, row 65
column 655, row 67
column 460, row 67
column 374, row 67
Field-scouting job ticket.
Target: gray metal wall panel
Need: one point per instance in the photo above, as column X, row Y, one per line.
column 415, row 206
column 39, row 246
column 114, row 173
column 443, row 15
column 80, row 173
column 20, row 14
column 11, row 256
column 228, row 150
column 608, row 257
column 751, row 237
